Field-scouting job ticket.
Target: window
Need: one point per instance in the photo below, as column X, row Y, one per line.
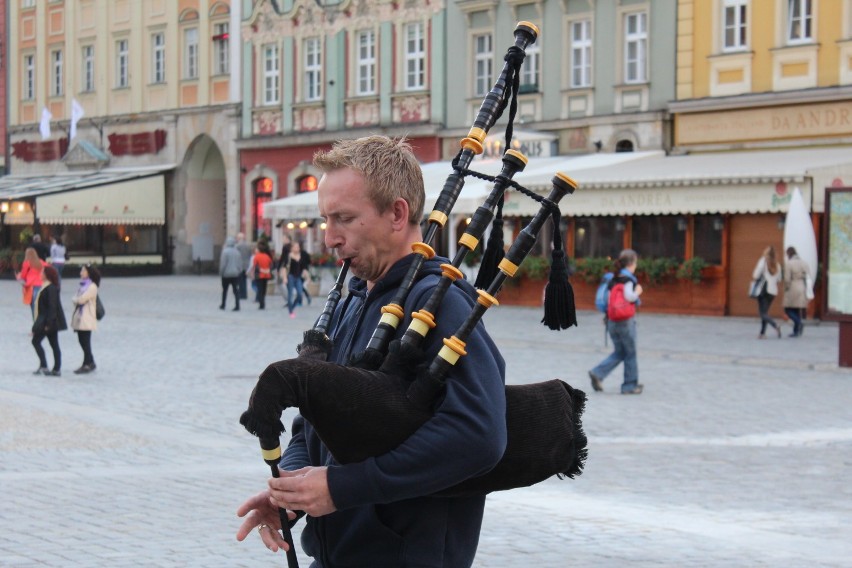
column 306, row 184
column 581, row 54
column 707, row 239
column 28, row 92
column 270, row 75
column 734, row 17
column 28, row 3
column 365, row 75
column 158, row 63
column 598, row 237
column 122, row 71
column 799, row 18
column 56, row 73
column 88, row 68
column 415, row 56
column 635, row 47
column 483, row 64
column 530, row 70
column 656, row 236
column 221, row 49
column 313, row 69
column 262, row 196
column 190, row 63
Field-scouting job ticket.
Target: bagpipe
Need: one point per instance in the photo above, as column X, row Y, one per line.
column 371, row 405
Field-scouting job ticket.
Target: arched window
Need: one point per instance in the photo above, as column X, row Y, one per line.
column 306, row 184
column 262, row 194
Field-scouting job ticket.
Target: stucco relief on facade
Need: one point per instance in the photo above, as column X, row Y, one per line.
column 309, row 119
column 267, row 122
column 362, row 114
column 411, row 109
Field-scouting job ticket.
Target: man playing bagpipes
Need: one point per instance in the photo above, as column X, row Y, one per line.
column 382, row 511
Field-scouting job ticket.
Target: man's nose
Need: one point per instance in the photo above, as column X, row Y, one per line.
column 332, row 238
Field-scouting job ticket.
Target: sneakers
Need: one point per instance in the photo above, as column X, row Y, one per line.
column 85, row 369
column 54, row 373
column 42, row 371
column 292, row 315
column 596, row 382
column 636, row 390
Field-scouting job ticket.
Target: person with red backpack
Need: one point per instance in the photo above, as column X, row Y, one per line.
column 624, row 292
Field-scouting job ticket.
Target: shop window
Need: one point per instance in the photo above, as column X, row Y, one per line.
column 656, row 236
column 707, row 240
column 306, row 184
column 598, row 236
column 111, row 240
column 262, row 195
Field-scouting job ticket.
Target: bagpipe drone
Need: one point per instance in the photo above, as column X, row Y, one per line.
column 394, row 388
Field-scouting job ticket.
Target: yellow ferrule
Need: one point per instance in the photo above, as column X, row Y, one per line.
column 569, row 180
column 438, row 217
column 270, row 455
column 426, row 317
column 418, row 326
column 477, row 134
column 472, row 144
column 456, row 345
column 507, row 267
column 469, row 241
column 530, row 25
column 451, row 272
column 486, row 299
column 423, row 249
column 518, row 155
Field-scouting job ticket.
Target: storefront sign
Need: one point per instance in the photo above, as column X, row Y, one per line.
column 137, row 143
column 775, row 123
column 45, row 151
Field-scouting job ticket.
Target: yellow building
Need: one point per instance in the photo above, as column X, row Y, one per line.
column 123, row 116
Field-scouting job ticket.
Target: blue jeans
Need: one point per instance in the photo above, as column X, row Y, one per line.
column 623, row 334
column 295, row 288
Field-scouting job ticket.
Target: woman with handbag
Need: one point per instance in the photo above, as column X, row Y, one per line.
column 49, row 321
column 85, row 320
column 768, row 269
column 795, row 290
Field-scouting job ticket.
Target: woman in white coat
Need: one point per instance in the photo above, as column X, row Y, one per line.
column 769, row 268
column 85, row 321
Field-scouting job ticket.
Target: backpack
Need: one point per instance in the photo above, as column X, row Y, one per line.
column 602, row 293
column 619, row 309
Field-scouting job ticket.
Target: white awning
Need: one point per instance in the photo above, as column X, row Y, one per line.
column 135, row 202
column 108, row 196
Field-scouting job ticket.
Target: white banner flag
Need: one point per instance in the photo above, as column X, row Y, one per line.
column 44, row 125
column 76, row 114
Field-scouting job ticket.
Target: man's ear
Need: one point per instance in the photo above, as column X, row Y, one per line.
column 399, row 209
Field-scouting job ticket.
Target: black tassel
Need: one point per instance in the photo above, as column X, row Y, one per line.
column 559, row 310
column 494, row 252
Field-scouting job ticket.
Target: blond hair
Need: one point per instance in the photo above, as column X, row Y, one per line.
column 388, row 166
column 771, row 260
column 31, row 256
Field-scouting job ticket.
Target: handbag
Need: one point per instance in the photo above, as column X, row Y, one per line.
column 99, row 308
column 756, row 287
column 809, row 287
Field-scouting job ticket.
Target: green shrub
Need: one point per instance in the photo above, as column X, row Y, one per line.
column 592, row 269
column 657, row 270
column 691, row 269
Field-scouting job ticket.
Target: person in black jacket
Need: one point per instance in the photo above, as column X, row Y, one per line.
column 49, row 321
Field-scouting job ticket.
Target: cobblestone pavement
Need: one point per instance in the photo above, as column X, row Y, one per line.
column 737, row 454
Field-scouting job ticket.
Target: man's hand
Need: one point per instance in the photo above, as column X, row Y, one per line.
column 304, row 489
column 260, row 512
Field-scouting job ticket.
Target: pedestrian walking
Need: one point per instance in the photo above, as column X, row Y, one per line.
column 85, row 320
column 30, row 277
column 49, row 321
column 795, row 290
column 41, row 248
column 58, row 255
column 261, row 266
column 621, row 325
column 246, row 252
column 769, row 270
column 294, row 269
column 231, row 267
column 384, row 511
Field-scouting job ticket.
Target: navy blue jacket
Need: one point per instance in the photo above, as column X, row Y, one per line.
column 385, row 517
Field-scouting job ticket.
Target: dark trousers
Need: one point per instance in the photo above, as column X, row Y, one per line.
column 233, row 282
column 53, row 339
column 262, row 285
column 85, row 338
column 763, row 303
column 243, row 283
column 795, row 314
